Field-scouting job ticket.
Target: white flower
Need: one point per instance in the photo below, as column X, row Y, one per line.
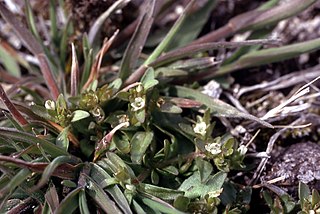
column 50, row 105
column 216, row 193
column 242, row 149
column 200, row 128
column 213, row 148
column 138, row 103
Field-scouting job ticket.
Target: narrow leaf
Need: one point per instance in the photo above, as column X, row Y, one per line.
column 159, row 205
column 100, row 176
column 270, row 55
column 100, row 197
column 9, row 62
column 50, row 169
column 96, row 27
column 137, row 41
column 169, row 37
column 50, row 148
column 11, row 108
column 52, row 198
column 74, row 73
column 193, row 25
column 217, row 107
column 70, row 202
column 83, row 204
column 160, row 192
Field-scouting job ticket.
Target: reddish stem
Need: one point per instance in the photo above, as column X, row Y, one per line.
column 12, row 109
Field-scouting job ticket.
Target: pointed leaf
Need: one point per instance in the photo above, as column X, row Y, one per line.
column 194, row 188
column 266, row 56
column 96, row 27
column 217, row 107
column 169, row 37
column 50, row 148
column 139, row 144
column 100, row 197
column 79, row 115
column 70, row 202
column 137, row 41
column 193, row 25
column 160, row 192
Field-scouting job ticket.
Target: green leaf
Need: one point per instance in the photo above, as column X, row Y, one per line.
column 50, row 148
column 270, row 55
column 52, row 167
column 217, row 107
column 205, row 169
column 79, row 115
column 9, row 62
column 315, row 199
column 159, row 205
column 137, row 207
column 52, row 198
column 192, row 25
column 148, row 79
column 169, row 37
column 62, row 139
column 70, row 202
column 100, row 176
column 303, row 192
column 19, row 178
column 194, row 188
column 181, row 203
column 122, row 143
column 100, row 197
column 160, row 192
column 139, row 144
column 83, row 204
column 138, row 40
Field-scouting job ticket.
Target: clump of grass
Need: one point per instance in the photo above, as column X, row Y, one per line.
column 131, row 141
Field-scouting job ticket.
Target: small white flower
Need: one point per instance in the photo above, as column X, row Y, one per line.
column 312, row 212
column 50, row 105
column 215, row 194
column 138, row 103
column 242, row 149
column 213, row 148
column 130, row 187
column 200, row 128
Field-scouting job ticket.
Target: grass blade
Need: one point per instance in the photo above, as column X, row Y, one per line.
column 217, row 107
column 270, row 55
column 137, row 41
column 49, row 170
column 34, row 46
column 74, row 73
column 192, row 25
column 95, row 29
column 100, row 197
column 257, row 19
column 15, row 181
column 9, row 62
column 50, row 148
column 96, row 65
column 169, row 37
column 70, row 202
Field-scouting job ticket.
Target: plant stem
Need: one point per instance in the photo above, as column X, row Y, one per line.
column 12, row 109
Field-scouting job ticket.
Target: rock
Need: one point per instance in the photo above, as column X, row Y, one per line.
column 299, row 162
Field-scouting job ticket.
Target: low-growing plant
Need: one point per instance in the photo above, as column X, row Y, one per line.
column 131, row 141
